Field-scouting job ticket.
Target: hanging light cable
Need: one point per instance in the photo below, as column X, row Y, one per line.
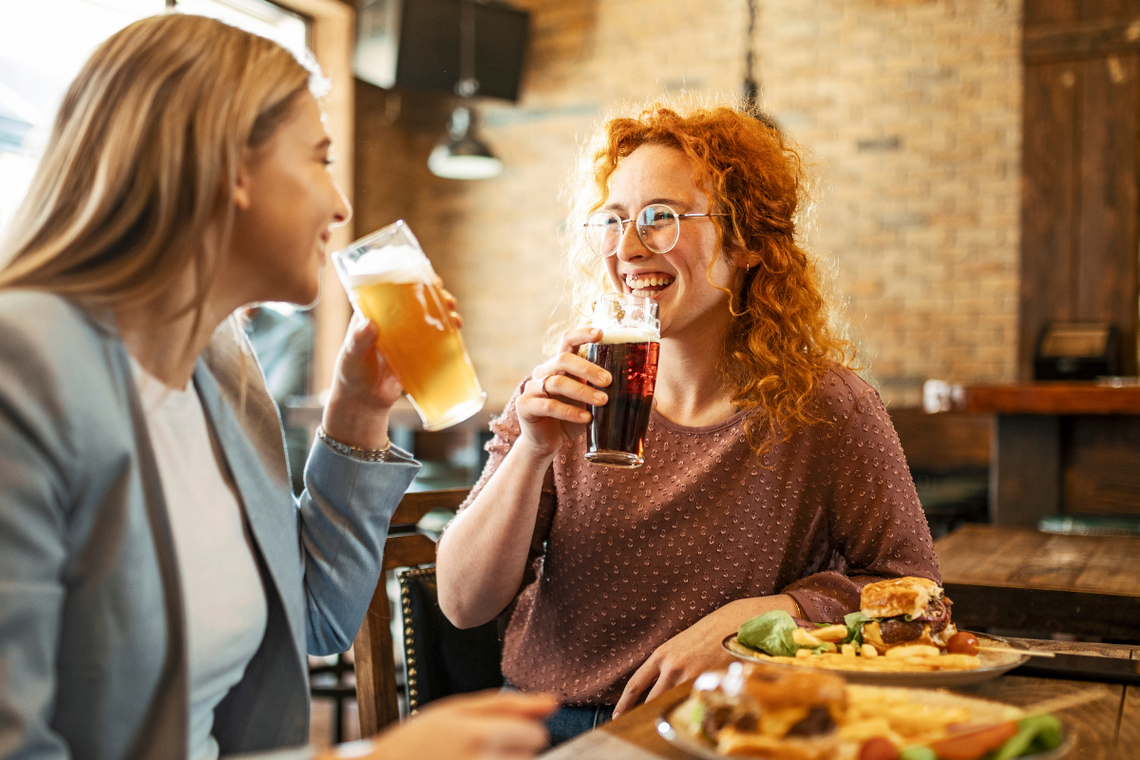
column 462, row 155
column 751, row 86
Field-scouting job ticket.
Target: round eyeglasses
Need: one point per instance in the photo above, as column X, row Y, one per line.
column 658, row 227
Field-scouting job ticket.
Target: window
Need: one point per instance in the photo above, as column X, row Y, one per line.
column 44, row 44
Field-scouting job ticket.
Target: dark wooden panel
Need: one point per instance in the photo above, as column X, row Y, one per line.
column 1039, row 13
column 943, row 443
column 408, row 551
column 1027, row 609
column 1101, row 460
column 1108, row 10
column 1109, row 198
column 415, row 505
column 1049, row 202
column 1064, row 13
column 1026, row 472
column 1082, row 40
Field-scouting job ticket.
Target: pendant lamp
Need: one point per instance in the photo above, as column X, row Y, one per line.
column 461, row 154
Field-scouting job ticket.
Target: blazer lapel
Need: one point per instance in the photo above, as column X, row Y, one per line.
column 230, row 385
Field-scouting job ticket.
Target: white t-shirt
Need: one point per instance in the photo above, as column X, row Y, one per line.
column 222, row 588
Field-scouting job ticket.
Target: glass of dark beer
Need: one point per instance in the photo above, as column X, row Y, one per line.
column 628, row 350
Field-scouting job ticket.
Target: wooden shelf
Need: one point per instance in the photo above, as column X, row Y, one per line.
column 1069, row 398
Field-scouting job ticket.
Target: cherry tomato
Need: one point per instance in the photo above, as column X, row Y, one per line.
column 972, row 745
column 962, row 642
column 878, row 748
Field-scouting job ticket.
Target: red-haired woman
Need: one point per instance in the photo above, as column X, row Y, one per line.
column 773, row 478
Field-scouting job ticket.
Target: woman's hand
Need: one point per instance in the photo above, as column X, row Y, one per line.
column 552, row 407
column 695, row 650
column 364, row 390
column 488, row 726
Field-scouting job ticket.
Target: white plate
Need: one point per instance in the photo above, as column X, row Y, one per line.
column 675, row 730
column 994, row 664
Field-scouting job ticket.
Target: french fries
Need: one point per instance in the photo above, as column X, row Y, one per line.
column 905, row 659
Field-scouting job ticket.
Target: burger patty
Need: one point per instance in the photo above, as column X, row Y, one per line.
column 817, row 722
column 898, row 629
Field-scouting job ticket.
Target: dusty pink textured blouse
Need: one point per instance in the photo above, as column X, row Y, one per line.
column 624, row 560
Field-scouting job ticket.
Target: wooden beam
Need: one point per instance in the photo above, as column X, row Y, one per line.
column 1087, row 40
column 333, row 33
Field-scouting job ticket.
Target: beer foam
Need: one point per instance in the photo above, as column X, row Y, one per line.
column 396, row 264
column 616, row 334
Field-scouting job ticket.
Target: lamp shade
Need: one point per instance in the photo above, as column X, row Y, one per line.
column 462, row 155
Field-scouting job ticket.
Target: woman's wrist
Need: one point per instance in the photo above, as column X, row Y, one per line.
column 355, row 452
column 352, row 425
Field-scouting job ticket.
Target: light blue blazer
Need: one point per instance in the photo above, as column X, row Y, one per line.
column 92, row 632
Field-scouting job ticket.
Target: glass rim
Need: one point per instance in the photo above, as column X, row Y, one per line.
column 389, row 229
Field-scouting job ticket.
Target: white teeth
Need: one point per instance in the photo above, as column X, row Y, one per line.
column 649, row 281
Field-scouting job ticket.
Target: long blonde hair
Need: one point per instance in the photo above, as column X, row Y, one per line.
column 784, row 335
column 142, row 159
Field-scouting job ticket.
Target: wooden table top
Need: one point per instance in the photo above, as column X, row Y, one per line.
column 1025, row 558
column 1103, row 726
column 1068, row 398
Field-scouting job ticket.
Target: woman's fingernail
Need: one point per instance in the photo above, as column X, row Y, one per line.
column 604, row 378
column 584, row 416
column 599, row 398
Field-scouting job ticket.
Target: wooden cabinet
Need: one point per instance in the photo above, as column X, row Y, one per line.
column 1080, row 170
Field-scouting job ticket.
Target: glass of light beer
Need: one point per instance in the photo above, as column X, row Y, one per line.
column 628, row 350
column 391, row 282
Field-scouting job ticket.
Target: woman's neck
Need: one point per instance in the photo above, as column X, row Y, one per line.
column 690, row 390
column 168, row 348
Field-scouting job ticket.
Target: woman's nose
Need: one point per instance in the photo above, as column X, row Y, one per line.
column 629, row 245
column 342, row 209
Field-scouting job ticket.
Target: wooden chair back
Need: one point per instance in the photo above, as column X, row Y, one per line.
column 373, row 649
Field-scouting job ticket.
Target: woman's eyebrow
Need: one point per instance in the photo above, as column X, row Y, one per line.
column 675, row 203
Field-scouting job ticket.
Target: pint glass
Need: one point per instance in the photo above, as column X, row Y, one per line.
column 628, row 350
column 390, row 281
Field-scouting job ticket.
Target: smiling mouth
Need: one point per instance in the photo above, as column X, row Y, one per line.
column 648, row 284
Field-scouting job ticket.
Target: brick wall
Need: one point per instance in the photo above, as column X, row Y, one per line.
column 911, row 109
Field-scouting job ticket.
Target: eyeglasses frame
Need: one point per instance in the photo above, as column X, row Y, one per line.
column 624, row 222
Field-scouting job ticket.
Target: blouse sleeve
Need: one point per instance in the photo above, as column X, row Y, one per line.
column 875, row 520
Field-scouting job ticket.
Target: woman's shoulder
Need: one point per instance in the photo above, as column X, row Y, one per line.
column 843, row 392
column 46, row 328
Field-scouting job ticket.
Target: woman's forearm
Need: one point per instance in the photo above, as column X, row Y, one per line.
column 483, row 553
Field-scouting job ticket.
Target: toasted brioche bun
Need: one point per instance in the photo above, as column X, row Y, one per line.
column 799, row 689
column 742, row 744
column 898, row 596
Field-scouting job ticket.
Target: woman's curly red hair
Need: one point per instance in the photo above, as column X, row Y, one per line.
column 781, row 341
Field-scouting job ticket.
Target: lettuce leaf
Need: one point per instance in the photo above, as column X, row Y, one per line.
column 854, row 622
column 770, row 633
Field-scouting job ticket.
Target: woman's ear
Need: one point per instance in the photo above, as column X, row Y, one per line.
column 242, row 194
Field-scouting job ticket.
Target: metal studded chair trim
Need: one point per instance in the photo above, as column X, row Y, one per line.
column 410, row 635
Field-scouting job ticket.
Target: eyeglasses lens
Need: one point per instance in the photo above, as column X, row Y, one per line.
column 657, row 226
column 603, row 231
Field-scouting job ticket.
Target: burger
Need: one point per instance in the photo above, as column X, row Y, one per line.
column 775, row 713
column 905, row 611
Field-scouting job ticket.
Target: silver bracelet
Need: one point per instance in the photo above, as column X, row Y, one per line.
column 355, row 452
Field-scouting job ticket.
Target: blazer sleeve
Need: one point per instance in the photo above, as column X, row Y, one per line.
column 345, row 512
column 33, row 551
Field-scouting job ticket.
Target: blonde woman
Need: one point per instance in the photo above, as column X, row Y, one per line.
column 159, row 586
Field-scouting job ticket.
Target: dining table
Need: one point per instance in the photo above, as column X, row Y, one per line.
column 1105, row 719
column 1026, row 580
